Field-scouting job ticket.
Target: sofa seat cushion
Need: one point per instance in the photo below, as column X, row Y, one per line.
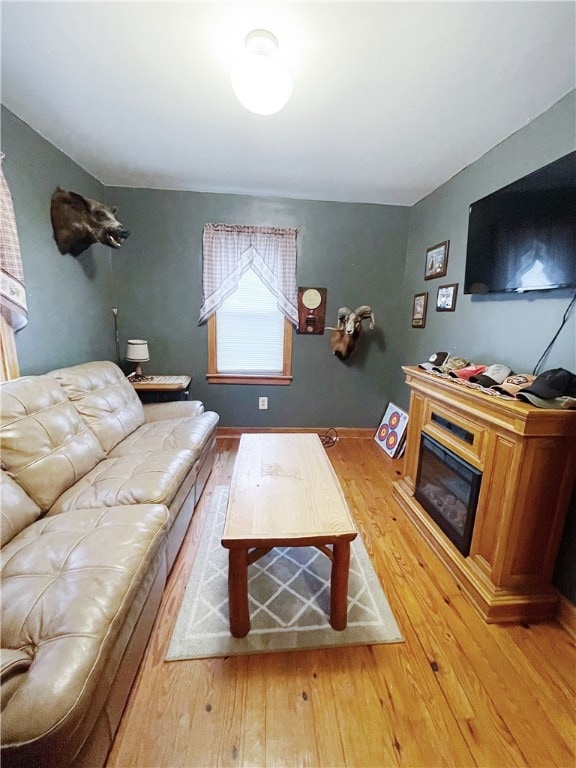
column 67, row 585
column 46, row 445
column 104, row 398
column 151, row 477
column 192, row 434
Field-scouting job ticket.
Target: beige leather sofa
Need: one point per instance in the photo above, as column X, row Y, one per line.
column 96, row 493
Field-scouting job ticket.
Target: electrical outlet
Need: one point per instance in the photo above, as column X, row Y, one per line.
column 262, row 403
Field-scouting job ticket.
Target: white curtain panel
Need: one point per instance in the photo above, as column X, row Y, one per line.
column 12, row 294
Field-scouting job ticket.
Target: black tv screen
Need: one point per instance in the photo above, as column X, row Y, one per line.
column 523, row 237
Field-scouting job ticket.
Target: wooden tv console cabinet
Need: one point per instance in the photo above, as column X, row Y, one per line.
column 527, row 457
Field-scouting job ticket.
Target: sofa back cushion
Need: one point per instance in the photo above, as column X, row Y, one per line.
column 46, row 446
column 104, row 398
column 17, row 509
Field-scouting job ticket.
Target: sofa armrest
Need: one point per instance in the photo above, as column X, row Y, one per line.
column 172, row 410
column 14, row 666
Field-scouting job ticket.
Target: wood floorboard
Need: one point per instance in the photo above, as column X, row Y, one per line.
column 457, row 692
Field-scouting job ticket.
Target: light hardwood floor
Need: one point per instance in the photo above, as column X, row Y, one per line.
column 457, row 692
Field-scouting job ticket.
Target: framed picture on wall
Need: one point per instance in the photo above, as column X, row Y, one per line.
column 436, row 260
column 419, row 310
column 446, row 298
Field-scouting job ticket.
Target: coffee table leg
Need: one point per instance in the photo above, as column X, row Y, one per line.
column 238, row 592
column 339, row 585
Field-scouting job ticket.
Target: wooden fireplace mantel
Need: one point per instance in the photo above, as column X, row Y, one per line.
column 527, row 457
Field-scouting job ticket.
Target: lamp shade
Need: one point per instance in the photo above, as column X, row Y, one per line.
column 137, row 350
column 260, row 79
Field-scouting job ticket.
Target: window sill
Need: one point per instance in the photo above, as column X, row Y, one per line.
column 240, row 378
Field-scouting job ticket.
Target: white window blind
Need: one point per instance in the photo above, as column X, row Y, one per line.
column 250, row 330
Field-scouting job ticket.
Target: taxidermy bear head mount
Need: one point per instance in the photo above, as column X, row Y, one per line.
column 345, row 336
column 78, row 222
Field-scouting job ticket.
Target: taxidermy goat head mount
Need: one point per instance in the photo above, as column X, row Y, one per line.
column 345, row 336
column 78, row 222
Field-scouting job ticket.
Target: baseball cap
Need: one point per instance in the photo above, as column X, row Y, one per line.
column 494, row 374
column 435, row 360
column 568, row 403
column 558, row 382
column 472, row 369
column 452, row 363
column 514, row 384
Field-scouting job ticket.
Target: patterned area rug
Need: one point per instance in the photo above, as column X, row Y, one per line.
column 289, row 591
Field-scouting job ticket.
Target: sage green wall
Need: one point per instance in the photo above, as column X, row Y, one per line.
column 356, row 251
column 511, row 329
column 69, row 309
column 493, row 329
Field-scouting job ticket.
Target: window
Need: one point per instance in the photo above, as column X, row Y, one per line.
column 8, row 356
column 249, row 339
column 249, row 285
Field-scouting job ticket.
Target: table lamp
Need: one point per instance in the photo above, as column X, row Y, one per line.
column 137, row 352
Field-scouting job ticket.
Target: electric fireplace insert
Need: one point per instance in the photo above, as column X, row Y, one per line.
column 447, row 487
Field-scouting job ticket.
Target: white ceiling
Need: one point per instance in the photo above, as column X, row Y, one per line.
column 390, row 99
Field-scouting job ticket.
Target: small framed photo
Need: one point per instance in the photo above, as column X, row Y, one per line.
column 446, row 298
column 436, row 260
column 419, row 310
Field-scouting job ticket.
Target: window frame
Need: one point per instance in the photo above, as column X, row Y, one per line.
column 281, row 379
column 9, row 368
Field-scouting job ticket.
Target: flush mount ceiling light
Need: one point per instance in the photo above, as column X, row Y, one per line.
column 260, row 78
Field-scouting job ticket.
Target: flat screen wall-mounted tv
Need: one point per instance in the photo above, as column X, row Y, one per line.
column 523, row 237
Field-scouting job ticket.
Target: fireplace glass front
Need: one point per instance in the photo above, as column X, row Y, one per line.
column 447, row 488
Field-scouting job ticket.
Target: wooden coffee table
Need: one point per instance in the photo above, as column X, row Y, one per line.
column 285, row 493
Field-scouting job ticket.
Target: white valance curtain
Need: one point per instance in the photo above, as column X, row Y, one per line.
column 229, row 250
